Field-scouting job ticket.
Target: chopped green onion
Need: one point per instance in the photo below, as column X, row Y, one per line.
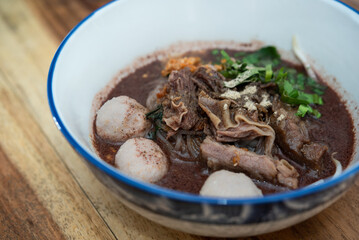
column 304, row 109
column 269, row 73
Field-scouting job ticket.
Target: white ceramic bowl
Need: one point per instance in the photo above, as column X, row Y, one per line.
column 115, row 35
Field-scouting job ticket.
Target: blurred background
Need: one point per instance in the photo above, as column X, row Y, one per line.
column 62, row 15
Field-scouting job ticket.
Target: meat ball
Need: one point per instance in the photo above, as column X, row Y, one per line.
column 143, row 159
column 224, row 183
column 122, row 118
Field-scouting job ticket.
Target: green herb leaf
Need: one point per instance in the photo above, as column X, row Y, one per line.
column 269, row 73
column 155, row 114
column 316, row 113
column 315, row 86
column 318, row 91
column 215, row 52
column 304, row 109
column 232, row 68
column 264, row 56
column 244, row 77
column 226, row 57
column 291, row 85
column 240, row 54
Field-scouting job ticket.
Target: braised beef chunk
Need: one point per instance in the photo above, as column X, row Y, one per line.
column 253, row 98
column 290, row 131
column 220, row 156
column 267, row 85
column 292, row 136
column 287, row 174
column 180, row 82
column 314, row 152
column 180, row 105
column 231, row 124
column 209, row 80
column 225, row 156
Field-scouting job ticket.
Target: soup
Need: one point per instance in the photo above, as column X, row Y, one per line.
column 252, row 118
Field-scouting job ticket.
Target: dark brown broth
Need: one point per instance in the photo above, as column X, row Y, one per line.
column 335, row 128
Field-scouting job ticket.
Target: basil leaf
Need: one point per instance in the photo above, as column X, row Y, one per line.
column 155, row 114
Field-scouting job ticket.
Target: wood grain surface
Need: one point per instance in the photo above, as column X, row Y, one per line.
column 46, row 190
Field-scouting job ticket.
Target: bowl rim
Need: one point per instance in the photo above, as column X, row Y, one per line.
column 168, row 193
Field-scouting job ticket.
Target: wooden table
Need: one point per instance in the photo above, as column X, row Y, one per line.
column 46, row 190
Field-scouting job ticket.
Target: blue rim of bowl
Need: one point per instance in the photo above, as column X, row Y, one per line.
column 172, row 194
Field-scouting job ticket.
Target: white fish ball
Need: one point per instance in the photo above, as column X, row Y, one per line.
column 224, row 183
column 143, row 159
column 122, row 118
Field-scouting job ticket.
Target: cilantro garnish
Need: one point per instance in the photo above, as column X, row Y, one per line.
column 232, row 68
column 257, row 67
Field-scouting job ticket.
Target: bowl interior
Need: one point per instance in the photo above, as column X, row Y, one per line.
column 113, row 37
